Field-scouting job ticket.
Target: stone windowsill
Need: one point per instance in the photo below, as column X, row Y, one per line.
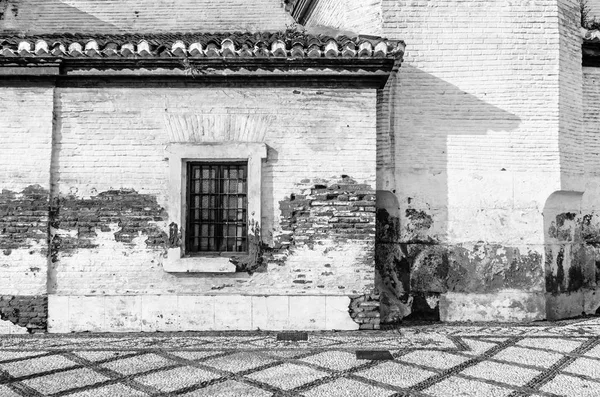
column 196, row 264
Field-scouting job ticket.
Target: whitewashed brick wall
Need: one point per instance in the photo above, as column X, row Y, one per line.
column 358, row 16
column 476, row 122
column 123, row 16
column 25, row 139
column 113, row 138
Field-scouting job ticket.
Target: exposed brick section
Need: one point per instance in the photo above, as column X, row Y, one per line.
column 364, row 310
column 135, row 214
column 114, row 137
column 342, row 210
column 30, row 312
column 23, row 217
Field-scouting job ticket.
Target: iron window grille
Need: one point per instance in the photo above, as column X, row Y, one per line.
column 217, row 206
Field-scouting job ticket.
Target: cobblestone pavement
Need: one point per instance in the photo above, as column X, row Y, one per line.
column 559, row 359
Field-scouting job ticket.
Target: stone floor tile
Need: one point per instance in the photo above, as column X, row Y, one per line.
column 347, row 388
column 135, row 365
column 229, row 388
column 286, row 353
column 66, row 380
column 594, row 352
column 570, row 386
column 177, row 378
column 287, row 376
column 477, row 347
column 116, row 390
column 585, row 366
column 395, row 374
column 460, row 387
column 6, row 355
column 99, row 355
column 561, row 345
column 35, row 365
column 525, row 356
column 195, row 355
column 334, row 360
column 238, row 362
column 6, row 391
column 504, row 373
column 434, row 359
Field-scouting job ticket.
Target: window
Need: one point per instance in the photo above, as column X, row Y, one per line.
column 216, row 207
column 214, row 196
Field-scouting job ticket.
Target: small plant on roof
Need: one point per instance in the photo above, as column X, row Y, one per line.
column 586, row 20
column 189, row 69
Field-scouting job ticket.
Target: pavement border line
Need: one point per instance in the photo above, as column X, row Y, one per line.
column 227, row 375
column 114, row 376
column 469, row 363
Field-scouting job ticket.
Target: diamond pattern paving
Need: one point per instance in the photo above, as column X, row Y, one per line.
column 395, row 374
column 135, row 365
column 334, row 360
column 347, row 388
column 287, row 376
column 532, row 357
column 455, row 386
column 229, row 388
column 570, row 386
column 238, row 362
column 504, row 373
column 434, row 359
column 178, row 378
column 431, row 361
column 116, row 390
column 586, row 367
column 32, row 366
column 62, row 381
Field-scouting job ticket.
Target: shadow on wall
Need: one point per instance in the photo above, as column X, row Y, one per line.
column 49, row 15
column 415, row 264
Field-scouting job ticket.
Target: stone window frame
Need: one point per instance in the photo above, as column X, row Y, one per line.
column 179, row 155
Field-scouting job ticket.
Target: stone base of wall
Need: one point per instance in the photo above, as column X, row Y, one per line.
column 572, row 304
column 168, row 313
column 505, row 306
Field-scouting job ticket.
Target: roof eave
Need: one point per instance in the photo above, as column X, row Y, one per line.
column 372, row 72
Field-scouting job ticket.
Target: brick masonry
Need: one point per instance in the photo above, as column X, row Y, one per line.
column 30, row 312
column 481, row 125
column 475, row 134
column 123, row 16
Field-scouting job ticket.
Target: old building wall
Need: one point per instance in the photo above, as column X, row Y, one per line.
column 483, row 125
column 127, row 16
column 26, row 136
column 111, row 224
column 593, row 7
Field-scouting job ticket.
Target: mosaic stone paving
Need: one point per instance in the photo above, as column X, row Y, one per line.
column 561, row 359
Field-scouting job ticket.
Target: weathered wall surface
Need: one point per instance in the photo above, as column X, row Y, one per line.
column 477, row 148
column 126, row 16
column 357, row 16
column 590, row 202
column 318, row 187
column 26, row 136
column 109, row 214
column 594, row 8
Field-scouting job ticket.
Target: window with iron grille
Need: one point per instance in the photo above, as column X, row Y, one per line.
column 217, row 207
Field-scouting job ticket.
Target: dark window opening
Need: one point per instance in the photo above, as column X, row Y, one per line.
column 217, row 207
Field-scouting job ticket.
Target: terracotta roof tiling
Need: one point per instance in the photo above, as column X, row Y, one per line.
column 196, row 45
